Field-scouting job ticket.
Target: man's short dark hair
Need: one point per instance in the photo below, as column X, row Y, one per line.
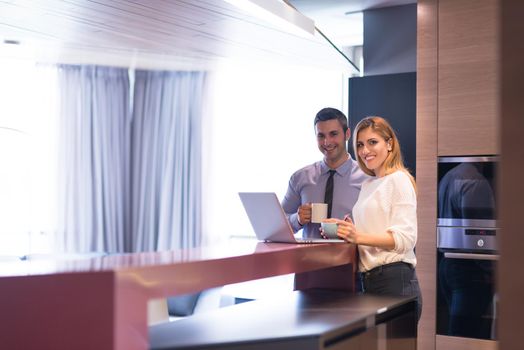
column 330, row 114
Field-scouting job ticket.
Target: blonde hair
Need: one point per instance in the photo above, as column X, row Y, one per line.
column 394, row 160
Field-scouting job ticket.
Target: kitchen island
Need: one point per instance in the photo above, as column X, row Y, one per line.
column 101, row 302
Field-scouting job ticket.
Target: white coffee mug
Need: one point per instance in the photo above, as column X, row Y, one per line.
column 318, row 212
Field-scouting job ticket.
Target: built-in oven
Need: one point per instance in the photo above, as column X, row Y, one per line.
column 467, row 247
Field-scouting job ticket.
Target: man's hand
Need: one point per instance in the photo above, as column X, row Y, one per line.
column 304, row 214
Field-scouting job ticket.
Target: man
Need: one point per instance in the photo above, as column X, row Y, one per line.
column 308, row 185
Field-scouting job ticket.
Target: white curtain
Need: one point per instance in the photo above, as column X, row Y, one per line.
column 166, row 161
column 130, row 179
column 94, row 158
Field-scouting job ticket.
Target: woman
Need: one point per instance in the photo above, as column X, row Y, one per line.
column 385, row 214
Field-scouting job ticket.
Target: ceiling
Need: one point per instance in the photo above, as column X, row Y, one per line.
column 169, row 34
column 342, row 20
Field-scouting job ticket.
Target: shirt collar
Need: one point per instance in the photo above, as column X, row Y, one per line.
column 341, row 170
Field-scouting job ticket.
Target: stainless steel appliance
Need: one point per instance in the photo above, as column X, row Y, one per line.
column 467, row 247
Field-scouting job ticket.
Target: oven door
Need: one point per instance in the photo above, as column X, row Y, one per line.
column 467, row 191
column 466, row 296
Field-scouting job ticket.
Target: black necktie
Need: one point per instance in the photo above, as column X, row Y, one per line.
column 328, row 196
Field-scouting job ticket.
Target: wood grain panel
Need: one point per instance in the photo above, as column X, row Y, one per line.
column 176, row 34
column 427, row 109
column 468, row 77
column 511, row 278
column 458, row 343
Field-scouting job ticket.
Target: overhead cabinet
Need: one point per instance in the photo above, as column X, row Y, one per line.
column 468, row 102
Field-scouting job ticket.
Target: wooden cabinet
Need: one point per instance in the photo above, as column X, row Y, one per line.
column 427, row 117
column 457, row 114
column 468, row 82
column 458, row 343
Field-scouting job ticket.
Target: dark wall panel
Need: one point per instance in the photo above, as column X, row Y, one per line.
column 393, row 97
column 390, row 40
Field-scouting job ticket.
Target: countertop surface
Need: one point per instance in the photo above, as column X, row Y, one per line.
column 67, row 263
column 312, row 314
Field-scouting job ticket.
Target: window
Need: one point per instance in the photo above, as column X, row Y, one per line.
column 27, row 157
column 260, row 130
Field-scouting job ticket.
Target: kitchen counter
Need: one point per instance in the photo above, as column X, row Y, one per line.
column 313, row 319
column 101, row 302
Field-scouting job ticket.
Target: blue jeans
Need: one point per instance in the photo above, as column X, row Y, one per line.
column 397, row 278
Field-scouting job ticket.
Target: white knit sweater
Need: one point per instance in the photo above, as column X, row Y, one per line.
column 387, row 204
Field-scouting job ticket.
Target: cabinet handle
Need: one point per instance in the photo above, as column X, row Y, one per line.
column 471, row 256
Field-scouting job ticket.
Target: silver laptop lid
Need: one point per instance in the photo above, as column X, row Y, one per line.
column 267, row 216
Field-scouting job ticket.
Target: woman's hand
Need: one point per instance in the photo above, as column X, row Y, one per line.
column 345, row 230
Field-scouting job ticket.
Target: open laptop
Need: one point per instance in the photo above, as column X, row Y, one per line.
column 269, row 220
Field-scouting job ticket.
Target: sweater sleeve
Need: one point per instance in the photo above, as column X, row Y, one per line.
column 403, row 217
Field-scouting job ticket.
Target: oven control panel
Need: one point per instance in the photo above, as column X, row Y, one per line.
column 467, row 238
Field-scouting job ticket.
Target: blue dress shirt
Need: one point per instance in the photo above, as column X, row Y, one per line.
column 307, row 185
